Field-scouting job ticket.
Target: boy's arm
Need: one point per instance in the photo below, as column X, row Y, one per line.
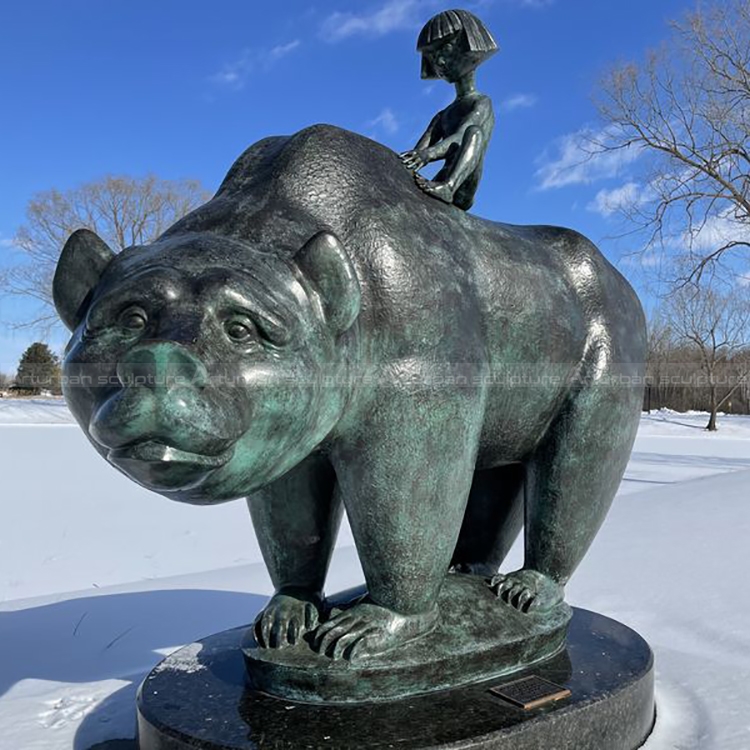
column 424, row 141
column 417, row 157
column 481, row 115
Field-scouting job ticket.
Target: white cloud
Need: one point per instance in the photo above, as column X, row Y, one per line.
column 717, row 231
column 394, row 15
column 518, row 101
column 230, row 76
column 10, row 245
column 234, row 75
column 477, row 5
column 651, row 259
column 281, row 50
column 578, row 159
column 607, row 202
column 385, row 120
column 744, row 279
column 645, row 258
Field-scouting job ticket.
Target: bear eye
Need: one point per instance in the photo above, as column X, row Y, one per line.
column 133, row 319
column 239, row 330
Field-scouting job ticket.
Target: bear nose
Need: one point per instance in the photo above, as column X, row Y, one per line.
column 161, row 364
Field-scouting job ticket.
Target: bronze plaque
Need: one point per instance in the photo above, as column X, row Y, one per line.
column 530, row 692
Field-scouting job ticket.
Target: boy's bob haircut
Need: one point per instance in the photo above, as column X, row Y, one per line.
column 475, row 38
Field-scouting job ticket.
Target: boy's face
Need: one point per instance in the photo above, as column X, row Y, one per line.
column 448, row 58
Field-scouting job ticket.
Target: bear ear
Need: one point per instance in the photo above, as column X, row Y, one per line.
column 81, row 265
column 325, row 263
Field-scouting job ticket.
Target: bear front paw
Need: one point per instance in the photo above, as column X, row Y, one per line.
column 527, row 590
column 286, row 619
column 367, row 629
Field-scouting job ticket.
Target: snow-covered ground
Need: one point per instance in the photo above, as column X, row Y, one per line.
column 38, row 411
column 101, row 578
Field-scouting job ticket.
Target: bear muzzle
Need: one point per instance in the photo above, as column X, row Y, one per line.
column 164, row 427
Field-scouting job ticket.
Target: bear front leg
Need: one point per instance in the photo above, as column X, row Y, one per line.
column 404, row 478
column 296, row 520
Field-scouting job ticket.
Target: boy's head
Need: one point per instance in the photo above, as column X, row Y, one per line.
column 453, row 43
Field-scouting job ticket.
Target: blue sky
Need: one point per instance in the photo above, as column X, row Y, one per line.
column 179, row 89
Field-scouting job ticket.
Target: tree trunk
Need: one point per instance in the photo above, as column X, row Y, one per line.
column 711, row 426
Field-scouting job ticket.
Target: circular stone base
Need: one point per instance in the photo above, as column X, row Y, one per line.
column 478, row 637
column 198, row 698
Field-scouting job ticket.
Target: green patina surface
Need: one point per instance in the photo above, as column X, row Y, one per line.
column 321, row 337
column 478, row 637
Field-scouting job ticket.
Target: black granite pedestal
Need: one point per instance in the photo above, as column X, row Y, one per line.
column 198, row 698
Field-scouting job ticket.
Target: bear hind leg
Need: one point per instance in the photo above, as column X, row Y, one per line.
column 492, row 521
column 573, row 477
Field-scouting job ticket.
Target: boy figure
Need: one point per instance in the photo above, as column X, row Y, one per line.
column 453, row 44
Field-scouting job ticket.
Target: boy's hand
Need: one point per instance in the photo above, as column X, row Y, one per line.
column 414, row 159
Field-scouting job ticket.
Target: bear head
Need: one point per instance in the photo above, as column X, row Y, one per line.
column 200, row 366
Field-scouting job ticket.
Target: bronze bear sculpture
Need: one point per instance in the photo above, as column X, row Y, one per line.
column 323, row 334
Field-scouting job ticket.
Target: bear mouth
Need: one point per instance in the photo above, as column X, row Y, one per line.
column 155, row 452
column 165, row 468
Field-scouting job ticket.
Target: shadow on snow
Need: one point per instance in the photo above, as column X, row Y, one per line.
column 112, row 636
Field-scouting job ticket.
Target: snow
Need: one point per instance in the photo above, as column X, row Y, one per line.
column 18, row 411
column 185, row 661
column 101, row 579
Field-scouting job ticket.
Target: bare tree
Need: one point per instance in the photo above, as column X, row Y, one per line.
column 122, row 210
column 743, row 366
column 717, row 325
column 661, row 350
column 685, row 112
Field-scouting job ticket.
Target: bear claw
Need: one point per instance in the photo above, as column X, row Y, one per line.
column 367, row 629
column 527, row 590
column 285, row 620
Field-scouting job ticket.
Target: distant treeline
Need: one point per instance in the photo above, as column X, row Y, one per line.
column 678, row 378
